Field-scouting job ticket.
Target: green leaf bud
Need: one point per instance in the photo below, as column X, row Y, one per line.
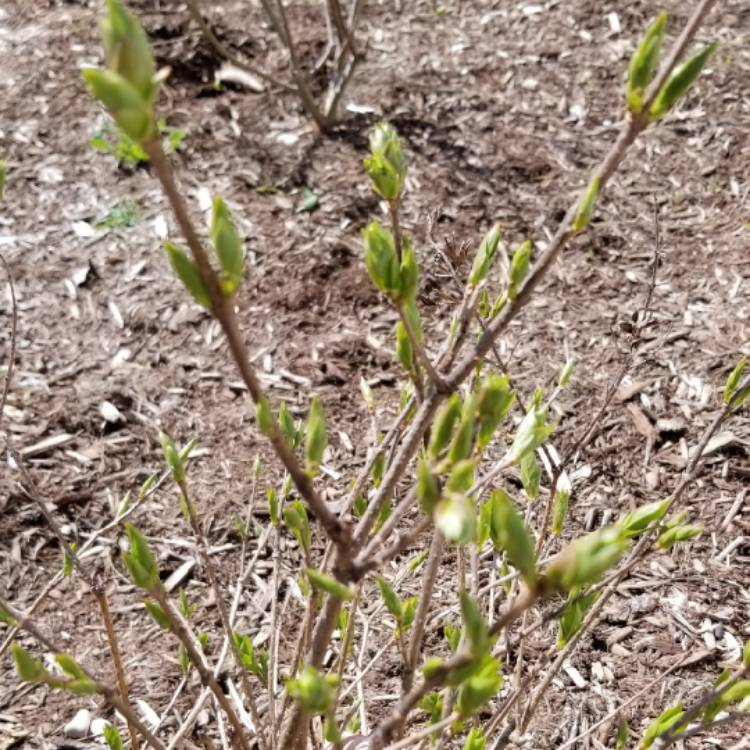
column 494, row 402
column 680, row 81
column 325, row 583
column 463, row 440
column 572, row 617
column 428, row 490
column 188, row 273
column 381, row 258
column 519, row 268
column 456, row 519
column 367, row 394
column 643, row 63
column 531, row 433
column 485, row 255
column 404, row 351
column 172, row 457
column 295, row 517
column 313, row 692
column 409, row 271
column 391, row 601
column 442, row 428
column 462, row 476
column 273, row 505
column 316, row 440
column 531, row 475
column 386, row 165
column 565, row 373
column 475, row 740
column 228, row 247
column 28, row 668
column 586, row 206
column 621, row 740
column 140, row 561
column 477, row 633
column 263, row 416
column 733, row 380
column 127, row 50
column 128, row 108
column 585, row 560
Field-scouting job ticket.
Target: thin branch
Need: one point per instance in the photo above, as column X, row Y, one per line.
column 226, row 622
column 13, row 335
column 223, row 310
column 223, row 51
column 107, row 692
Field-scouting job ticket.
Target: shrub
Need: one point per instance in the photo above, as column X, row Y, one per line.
column 442, row 459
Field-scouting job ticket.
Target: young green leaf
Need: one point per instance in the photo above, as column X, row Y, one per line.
column 127, row 50
column 640, row 519
column 67, row 569
column 565, row 373
column 509, row 534
column 112, row 737
column 309, row 202
column 734, row 380
column 391, row 601
column 562, row 498
column 128, row 108
column 158, row 614
column 273, row 505
column 461, row 477
column 662, row 724
column 680, row 81
column 188, row 273
column 475, row 740
column 409, row 609
column 317, row 439
column 572, row 616
column 678, row 534
column 452, row 635
column 481, row 687
column 643, row 63
column 531, row 433
column 367, row 395
column 485, row 255
column 621, row 740
column 325, row 583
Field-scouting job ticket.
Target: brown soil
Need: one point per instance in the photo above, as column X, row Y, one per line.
column 503, row 109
